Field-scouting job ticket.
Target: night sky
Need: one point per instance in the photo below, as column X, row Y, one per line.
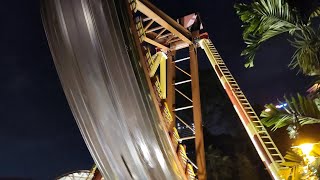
column 38, row 135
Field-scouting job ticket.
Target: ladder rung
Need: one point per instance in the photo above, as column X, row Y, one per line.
column 259, row 124
column 268, row 142
column 276, row 155
column 263, row 131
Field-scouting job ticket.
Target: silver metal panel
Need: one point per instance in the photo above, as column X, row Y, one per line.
column 113, row 112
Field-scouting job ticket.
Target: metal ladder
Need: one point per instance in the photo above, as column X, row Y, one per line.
column 259, row 130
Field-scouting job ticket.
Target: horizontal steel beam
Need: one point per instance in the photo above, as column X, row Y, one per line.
column 182, row 82
column 187, row 138
column 155, row 43
column 183, row 108
column 164, row 20
column 183, row 59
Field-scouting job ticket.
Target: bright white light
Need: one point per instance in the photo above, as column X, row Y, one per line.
column 311, row 159
column 281, row 105
column 306, row 148
column 267, row 110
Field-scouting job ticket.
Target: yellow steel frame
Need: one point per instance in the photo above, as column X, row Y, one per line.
column 151, row 30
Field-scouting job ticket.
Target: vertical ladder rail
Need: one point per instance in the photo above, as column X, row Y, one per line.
column 267, row 150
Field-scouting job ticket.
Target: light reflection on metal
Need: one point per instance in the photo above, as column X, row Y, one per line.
column 182, row 82
column 183, row 59
column 183, row 108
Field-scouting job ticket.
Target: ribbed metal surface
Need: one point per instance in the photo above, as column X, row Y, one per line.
column 112, row 111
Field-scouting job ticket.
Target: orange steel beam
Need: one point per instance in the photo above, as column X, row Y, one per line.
column 197, row 118
column 163, row 20
column 150, row 41
column 184, row 40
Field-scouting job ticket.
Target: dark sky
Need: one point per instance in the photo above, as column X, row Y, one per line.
column 38, row 135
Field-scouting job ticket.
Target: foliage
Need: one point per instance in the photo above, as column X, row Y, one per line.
column 299, row 111
column 245, row 168
column 307, row 55
column 303, row 166
column 218, row 165
column 264, row 19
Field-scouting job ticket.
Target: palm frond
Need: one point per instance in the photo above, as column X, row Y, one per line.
column 315, row 13
column 307, row 54
column 264, row 19
column 293, row 158
column 298, row 110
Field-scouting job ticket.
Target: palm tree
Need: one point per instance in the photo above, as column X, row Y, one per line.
column 295, row 112
column 264, row 19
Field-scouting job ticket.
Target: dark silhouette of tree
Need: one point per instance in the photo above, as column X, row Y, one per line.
column 245, row 169
column 219, row 166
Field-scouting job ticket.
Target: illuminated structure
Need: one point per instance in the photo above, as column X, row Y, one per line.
column 110, row 85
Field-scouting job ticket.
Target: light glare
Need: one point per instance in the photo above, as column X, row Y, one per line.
column 306, row 148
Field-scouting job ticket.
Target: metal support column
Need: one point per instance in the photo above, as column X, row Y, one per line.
column 171, row 74
column 199, row 142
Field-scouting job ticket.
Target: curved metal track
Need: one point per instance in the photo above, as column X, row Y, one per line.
column 107, row 98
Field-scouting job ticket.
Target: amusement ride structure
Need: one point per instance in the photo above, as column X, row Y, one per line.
column 117, row 62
